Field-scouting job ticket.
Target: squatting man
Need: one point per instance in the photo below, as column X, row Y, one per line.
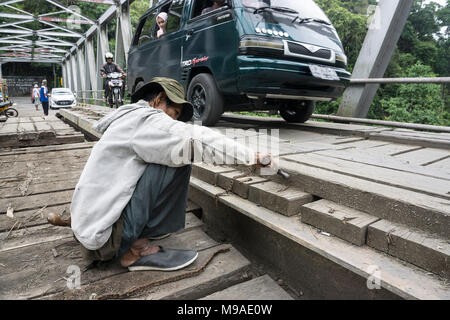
column 133, row 188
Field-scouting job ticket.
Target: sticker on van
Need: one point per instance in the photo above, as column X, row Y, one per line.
column 193, row 62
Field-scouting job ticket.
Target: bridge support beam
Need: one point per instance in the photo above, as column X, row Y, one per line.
column 375, row 55
column 102, row 48
column 123, row 34
column 81, row 69
column 74, row 73
column 69, row 73
column 91, row 66
column 1, row 74
column 64, row 74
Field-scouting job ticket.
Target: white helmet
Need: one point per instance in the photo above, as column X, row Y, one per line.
column 109, row 55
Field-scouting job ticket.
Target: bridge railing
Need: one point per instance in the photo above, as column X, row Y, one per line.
column 89, row 97
column 94, row 97
column 421, row 80
column 438, row 80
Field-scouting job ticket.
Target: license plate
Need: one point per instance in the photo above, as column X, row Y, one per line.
column 323, row 72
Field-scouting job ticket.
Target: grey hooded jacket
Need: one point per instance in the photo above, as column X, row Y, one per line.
column 133, row 136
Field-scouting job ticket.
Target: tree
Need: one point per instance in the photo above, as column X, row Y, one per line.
column 416, row 103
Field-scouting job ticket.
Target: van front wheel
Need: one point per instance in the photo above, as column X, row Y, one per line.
column 298, row 111
column 206, row 99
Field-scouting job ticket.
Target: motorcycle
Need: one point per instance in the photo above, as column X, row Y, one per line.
column 7, row 110
column 114, row 81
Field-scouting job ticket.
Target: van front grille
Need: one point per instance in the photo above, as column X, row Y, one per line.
column 299, row 49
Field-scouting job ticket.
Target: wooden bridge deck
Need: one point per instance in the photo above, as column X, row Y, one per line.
column 352, row 201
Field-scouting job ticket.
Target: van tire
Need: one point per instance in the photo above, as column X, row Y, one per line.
column 299, row 111
column 206, row 99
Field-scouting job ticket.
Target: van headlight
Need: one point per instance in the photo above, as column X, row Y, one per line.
column 341, row 58
column 261, row 45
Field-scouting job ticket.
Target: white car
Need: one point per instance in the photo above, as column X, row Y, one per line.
column 62, row 98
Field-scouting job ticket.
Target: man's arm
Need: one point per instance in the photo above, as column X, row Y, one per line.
column 102, row 71
column 118, row 69
column 160, row 139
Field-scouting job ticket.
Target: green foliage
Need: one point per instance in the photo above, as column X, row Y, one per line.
column 416, row 103
column 350, row 24
column 422, row 51
column 137, row 9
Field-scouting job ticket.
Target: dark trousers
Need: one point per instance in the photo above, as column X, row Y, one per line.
column 45, row 107
column 157, row 207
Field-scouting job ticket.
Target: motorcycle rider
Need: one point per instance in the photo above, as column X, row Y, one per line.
column 110, row 67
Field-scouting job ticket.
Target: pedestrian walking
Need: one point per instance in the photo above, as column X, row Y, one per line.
column 36, row 96
column 44, row 97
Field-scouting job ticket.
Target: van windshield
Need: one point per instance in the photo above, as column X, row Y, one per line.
column 304, row 8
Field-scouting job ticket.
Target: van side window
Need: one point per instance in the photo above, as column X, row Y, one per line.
column 203, row 7
column 174, row 11
column 147, row 31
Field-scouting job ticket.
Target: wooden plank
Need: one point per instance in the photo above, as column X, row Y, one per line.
column 191, row 222
column 15, row 182
column 28, row 188
column 240, row 186
column 45, row 126
column 43, row 149
column 363, row 144
column 131, row 284
column 374, row 158
column 343, row 222
column 404, row 280
column 36, row 201
column 234, row 133
column 30, row 139
column 391, row 203
column 29, row 218
column 429, row 142
column 192, row 206
column 32, row 236
column 415, row 133
column 224, row 270
column 278, row 197
column 299, row 137
column 443, row 165
column 208, row 172
column 20, row 170
column 392, row 149
column 8, row 128
column 424, row 156
column 423, row 250
column 33, row 271
column 34, row 132
column 59, row 125
column 22, row 237
column 261, row 288
column 400, row 179
column 76, row 153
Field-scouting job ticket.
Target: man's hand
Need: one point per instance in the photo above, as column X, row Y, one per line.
column 268, row 165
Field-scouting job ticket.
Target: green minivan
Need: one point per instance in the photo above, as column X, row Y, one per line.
column 241, row 55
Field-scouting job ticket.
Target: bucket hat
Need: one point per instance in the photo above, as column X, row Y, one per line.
column 174, row 91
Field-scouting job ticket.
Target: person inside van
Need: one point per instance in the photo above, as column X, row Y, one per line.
column 216, row 5
column 161, row 20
